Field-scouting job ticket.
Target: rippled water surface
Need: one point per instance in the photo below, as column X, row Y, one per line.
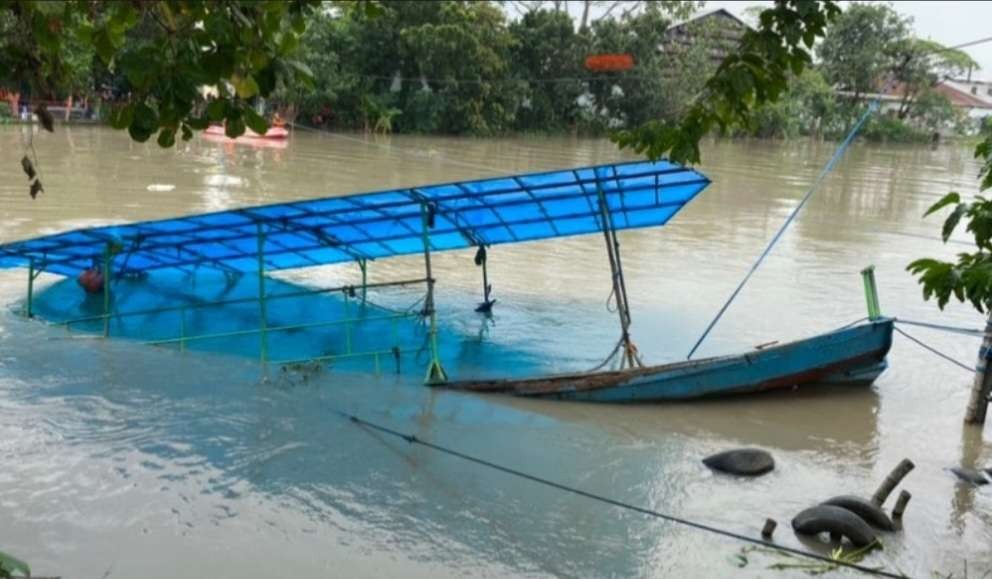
column 122, row 460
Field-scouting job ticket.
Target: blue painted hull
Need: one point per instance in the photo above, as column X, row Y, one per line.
column 854, row 355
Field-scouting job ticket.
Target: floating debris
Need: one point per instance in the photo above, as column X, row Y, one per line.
column 969, row 475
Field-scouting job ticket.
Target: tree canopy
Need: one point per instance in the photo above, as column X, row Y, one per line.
column 164, row 51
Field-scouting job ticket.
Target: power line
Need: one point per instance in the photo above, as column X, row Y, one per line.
column 412, row 439
column 963, row 45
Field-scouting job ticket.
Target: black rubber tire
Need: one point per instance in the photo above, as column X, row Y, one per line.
column 831, row 519
column 741, row 461
column 868, row 511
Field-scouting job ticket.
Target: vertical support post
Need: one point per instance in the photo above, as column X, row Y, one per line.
column 981, row 388
column 482, row 259
column 107, row 274
column 871, row 292
column 182, row 330
column 629, row 354
column 363, row 265
column 262, row 312
column 30, row 304
column 435, row 373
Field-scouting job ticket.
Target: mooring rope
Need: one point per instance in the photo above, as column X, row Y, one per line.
column 412, row 439
column 942, row 327
column 924, row 345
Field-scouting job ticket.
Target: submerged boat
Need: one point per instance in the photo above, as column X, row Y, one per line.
column 469, row 215
column 853, row 356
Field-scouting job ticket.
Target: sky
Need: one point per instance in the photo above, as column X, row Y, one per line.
column 947, row 22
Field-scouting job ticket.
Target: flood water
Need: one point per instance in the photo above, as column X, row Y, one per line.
column 123, row 460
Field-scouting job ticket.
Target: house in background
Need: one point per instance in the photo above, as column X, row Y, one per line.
column 974, row 97
column 720, row 28
column 958, row 93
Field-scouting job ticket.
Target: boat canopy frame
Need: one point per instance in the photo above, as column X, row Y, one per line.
column 362, row 228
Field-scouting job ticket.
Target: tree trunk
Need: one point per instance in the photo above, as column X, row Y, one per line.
column 585, row 15
column 982, row 387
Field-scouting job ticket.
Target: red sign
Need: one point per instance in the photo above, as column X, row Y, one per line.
column 609, row 62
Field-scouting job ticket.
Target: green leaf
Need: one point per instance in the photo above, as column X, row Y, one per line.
column 167, row 138
column 299, row 23
column 255, row 121
column 104, row 46
column 121, row 116
column 944, row 202
column 952, row 221
column 10, row 565
column 145, row 123
column 235, row 127
column 216, row 110
column 245, row 86
column 200, row 123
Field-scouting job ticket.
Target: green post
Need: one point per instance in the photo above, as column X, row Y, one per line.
column 363, row 265
column 107, row 274
column 871, row 292
column 30, row 304
column 263, row 316
column 435, row 373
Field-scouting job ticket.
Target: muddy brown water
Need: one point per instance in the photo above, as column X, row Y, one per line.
column 123, row 460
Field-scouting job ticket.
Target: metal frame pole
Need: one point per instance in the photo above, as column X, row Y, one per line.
column 487, row 304
column 30, row 302
column 435, row 373
column 262, row 310
column 629, row 354
column 363, row 265
column 106, row 291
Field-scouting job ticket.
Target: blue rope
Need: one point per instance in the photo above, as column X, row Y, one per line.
column 792, row 216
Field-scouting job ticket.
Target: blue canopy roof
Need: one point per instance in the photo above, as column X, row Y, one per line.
column 374, row 225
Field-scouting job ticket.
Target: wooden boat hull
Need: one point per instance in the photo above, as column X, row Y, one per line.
column 853, row 355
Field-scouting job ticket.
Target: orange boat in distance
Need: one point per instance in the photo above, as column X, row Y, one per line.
column 274, row 132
